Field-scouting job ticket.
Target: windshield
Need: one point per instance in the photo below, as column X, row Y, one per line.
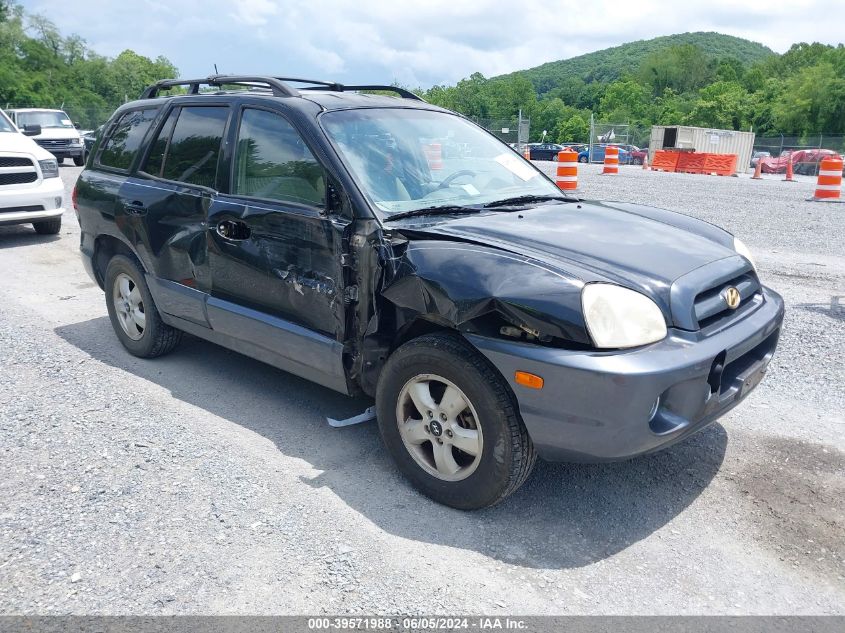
column 44, row 118
column 5, row 123
column 406, row 160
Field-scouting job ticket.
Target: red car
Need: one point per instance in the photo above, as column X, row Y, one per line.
column 637, row 155
column 804, row 161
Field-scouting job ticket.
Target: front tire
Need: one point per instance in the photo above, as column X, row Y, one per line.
column 582, row 159
column 133, row 313
column 451, row 424
column 79, row 161
column 48, row 227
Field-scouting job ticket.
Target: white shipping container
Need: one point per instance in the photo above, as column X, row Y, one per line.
column 703, row 139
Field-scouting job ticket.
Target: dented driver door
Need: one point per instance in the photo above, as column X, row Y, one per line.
column 273, row 252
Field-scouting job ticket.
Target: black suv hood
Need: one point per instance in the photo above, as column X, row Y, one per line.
column 630, row 244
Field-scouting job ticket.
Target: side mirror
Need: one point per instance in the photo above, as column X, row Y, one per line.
column 32, row 130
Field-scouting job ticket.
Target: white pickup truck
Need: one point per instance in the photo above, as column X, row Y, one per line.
column 31, row 191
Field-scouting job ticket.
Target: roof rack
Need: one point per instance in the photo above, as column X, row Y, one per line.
column 278, row 85
column 279, row 88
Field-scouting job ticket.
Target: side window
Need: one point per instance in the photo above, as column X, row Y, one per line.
column 188, row 146
column 155, row 159
column 273, row 162
column 120, row 148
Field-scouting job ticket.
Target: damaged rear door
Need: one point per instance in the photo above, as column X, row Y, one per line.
column 274, row 254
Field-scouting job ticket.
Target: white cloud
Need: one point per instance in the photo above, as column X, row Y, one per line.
column 418, row 43
column 254, row 12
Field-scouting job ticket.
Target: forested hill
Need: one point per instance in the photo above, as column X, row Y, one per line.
column 610, row 64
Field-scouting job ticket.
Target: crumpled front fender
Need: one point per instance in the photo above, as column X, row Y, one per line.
column 456, row 283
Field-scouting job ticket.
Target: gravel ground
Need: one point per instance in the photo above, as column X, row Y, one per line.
column 206, row 482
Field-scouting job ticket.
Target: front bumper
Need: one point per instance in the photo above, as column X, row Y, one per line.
column 606, row 406
column 19, row 205
column 67, row 153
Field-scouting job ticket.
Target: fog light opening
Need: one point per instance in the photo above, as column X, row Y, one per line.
column 714, row 378
column 58, row 202
column 654, row 409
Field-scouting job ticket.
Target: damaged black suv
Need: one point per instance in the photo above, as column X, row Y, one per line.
column 382, row 245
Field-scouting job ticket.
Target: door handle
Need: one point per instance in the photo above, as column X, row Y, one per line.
column 233, row 230
column 134, row 208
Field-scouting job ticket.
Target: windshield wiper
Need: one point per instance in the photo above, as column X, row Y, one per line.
column 442, row 210
column 517, row 200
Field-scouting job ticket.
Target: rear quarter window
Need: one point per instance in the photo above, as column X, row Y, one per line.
column 187, row 148
column 119, row 149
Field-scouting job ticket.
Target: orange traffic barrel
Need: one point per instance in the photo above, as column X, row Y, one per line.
column 611, row 160
column 829, row 186
column 567, row 170
column 434, row 155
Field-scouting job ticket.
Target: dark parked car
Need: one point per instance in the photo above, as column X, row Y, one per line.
column 89, row 138
column 491, row 317
column 545, row 151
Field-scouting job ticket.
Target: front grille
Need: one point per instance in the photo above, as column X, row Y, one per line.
column 19, row 178
column 15, row 161
column 711, row 306
column 32, row 207
column 54, row 143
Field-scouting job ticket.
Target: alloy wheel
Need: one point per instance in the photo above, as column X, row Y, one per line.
column 129, row 306
column 439, row 426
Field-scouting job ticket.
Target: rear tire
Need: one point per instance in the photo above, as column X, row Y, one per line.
column 133, row 313
column 476, row 450
column 48, row 227
column 582, row 159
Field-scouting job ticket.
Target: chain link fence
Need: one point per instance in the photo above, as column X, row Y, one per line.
column 628, row 137
column 513, row 131
column 807, row 150
column 776, row 145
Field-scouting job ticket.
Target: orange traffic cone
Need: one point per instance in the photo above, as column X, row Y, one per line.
column 758, row 170
column 645, row 161
column 790, row 176
column 526, row 153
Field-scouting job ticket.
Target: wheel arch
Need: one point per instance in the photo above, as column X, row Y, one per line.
column 105, row 247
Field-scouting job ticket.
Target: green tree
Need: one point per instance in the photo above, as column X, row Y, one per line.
column 625, row 101
column 813, row 100
column 573, row 130
column 682, row 68
column 722, row 104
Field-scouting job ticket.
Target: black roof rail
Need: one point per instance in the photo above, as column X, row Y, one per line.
column 402, row 92
column 277, row 84
column 279, row 88
column 318, row 84
column 338, row 87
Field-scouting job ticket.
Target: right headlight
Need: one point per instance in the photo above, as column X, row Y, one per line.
column 49, row 168
column 743, row 250
column 618, row 317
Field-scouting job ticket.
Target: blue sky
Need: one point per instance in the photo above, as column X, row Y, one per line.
column 417, row 43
